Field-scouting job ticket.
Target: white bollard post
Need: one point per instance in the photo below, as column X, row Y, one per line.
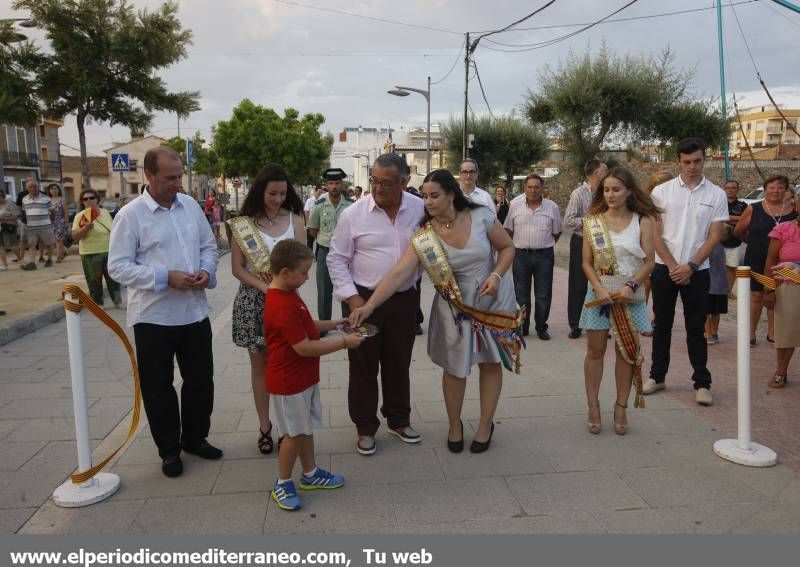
column 102, row 485
column 742, row 450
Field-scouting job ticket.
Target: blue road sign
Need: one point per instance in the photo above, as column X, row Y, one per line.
column 120, row 162
column 190, row 152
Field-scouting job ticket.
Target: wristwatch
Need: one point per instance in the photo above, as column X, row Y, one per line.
column 693, row 266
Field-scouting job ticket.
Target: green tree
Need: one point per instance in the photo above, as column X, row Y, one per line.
column 103, row 59
column 503, row 147
column 256, row 135
column 588, row 100
column 18, row 103
column 206, row 161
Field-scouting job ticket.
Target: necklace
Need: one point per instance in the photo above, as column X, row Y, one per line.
column 777, row 219
column 448, row 224
column 270, row 220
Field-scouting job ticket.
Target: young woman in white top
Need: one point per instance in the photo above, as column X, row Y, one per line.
column 629, row 214
column 277, row 212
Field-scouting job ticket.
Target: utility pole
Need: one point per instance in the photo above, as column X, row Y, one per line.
column 466, row 98
column 722, row 89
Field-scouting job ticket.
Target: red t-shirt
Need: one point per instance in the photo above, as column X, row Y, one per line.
column 286, row 323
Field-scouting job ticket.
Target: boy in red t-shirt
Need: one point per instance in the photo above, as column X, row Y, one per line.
column 292, row 372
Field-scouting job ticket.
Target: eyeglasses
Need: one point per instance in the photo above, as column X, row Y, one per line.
column 382, row 183
column 90, row 198
column 469, row 172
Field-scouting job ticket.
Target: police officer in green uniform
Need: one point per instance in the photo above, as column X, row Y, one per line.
column 321, row 223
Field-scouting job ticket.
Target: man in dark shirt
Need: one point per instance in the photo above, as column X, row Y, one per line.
column 734, row 249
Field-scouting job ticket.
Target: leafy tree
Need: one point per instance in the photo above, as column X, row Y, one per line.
column 256, row 135
column 18, row 103
column 206, row 161
column 103, row 60
column 503, row 146
column 588, row 100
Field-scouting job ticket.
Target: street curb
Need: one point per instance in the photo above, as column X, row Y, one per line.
column 34, row 322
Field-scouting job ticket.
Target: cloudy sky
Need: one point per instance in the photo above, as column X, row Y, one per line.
column 282, row 53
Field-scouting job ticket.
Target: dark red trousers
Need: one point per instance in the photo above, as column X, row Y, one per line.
column 390, row 352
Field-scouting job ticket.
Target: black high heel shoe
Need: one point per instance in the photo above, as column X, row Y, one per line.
column 456, row 446
column 480, row 447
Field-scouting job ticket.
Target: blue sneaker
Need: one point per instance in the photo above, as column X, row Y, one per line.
column 285, row 496
column 321, row 479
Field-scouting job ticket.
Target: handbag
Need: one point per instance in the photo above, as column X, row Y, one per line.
column 613, row 283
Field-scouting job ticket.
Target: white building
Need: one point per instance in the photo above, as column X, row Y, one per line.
column 355, row 148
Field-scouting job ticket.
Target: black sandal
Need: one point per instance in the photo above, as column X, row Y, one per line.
column 265, row 444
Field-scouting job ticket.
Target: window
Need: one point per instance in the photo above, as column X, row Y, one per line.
column 42, row 131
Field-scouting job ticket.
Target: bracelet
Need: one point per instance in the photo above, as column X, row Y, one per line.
column 498, row 276
column 633, row 284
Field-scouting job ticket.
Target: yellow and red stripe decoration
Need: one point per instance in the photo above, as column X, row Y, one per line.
column 504, row 327
column 99, row 312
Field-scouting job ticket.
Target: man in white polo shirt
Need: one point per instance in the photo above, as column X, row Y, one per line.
column 39, row 223
column 468, row 180
column 690, row 228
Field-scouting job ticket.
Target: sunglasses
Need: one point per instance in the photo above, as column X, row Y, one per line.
column 90, row 198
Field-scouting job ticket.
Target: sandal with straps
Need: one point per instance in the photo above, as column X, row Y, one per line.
column 619, row 427
column 593, row 426
column 265, row 443
column 778, row 381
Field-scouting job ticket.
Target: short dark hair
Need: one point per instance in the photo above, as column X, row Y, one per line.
column 469, row 160
column 288, row 254
column 533, row 176
column 782, row 178
column 58, row 188
column 591, row 166
column 731, row 181
column 396, row 161
column 690, row 146
column 151, row 157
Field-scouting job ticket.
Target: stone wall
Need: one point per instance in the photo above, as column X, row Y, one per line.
column 560, row 186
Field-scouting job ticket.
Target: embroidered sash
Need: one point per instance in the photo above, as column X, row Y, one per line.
column 504, row 327
column 247, row 236
column 621, row 322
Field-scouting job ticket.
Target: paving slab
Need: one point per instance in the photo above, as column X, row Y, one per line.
column 415, row 464
column 565, row 523
column 17, row 454
column 250, row 475
column 104, row 518
column 676, row 520
column 239, row 514
column 12, row 520
column 139, row 482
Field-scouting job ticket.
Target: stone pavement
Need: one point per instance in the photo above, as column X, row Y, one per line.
column 543, row 474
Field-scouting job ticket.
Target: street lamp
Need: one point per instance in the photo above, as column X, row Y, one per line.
column 405, row 91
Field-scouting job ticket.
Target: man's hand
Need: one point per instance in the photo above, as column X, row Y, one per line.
column 354, row 302
column 681, row 274
column 624, row 295
column 201, row 279
column 176, row 279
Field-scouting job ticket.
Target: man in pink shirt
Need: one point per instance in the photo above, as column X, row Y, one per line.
column 368, row 241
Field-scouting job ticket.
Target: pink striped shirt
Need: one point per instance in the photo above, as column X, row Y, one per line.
column 533, row 229
column 366, row 244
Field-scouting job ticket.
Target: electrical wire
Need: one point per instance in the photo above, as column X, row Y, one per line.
column 362, row 16
column 614, row 20
column 511, row 25
column 746, row 43
column 781, row 14
column 483, row 92
column 453, row 66
column 543, row 44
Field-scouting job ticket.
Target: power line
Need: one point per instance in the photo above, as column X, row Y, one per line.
column 480, row 84
column 354, row 54
column 511, row 25
column 746, row 44
column 781, row 14
column 453, row 66
column 372, row 18
column 614, row 20
column 543, row 44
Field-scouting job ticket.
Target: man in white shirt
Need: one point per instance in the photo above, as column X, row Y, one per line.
column 689, row 229
column 468, row 179
column 368, row 241
column 309, row 205
column 163, row 249
column 578, row 207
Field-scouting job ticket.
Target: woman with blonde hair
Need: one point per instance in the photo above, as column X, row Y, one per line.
column 618, row 256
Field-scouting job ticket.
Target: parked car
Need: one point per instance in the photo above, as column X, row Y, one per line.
column 754, row 196
column 111, row 205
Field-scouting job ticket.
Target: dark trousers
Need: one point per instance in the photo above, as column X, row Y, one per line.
column 537, row 265
column 310, row 241
column 157, row 346
column 694, row 298
column 95, row 268
column 576, row 288
column 390, row 350
column 324, row 285
column 420, row 315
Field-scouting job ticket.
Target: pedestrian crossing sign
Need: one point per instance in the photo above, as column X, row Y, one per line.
column 120, row 162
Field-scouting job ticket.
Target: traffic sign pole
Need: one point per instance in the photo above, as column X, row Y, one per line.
column 121, row 184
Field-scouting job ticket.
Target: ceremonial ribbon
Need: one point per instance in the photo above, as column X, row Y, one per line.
column 620, row 320
column 251, row 244
column 504, row 327
column 99, row 312
column 770, row 283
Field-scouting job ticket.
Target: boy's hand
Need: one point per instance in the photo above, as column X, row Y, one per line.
column 353, row 340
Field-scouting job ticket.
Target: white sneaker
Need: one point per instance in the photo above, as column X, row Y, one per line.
column 650, row 386
column 703, row 396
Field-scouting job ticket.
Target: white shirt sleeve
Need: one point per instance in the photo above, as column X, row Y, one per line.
column 122, row 265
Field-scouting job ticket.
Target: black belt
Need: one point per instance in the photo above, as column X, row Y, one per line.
column 535, row 249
